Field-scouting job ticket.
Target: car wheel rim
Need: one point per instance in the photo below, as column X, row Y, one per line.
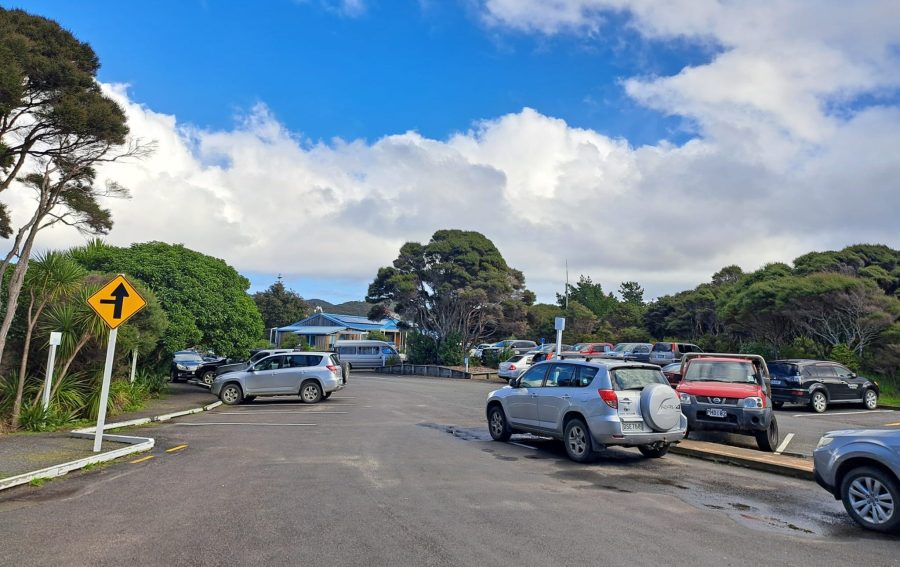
column 871, row 500
column 496, row 424
column 309, row 393
column 577, row 440
column 208, row 379
column 229, row 395
column 871, row 399
column 819, row 402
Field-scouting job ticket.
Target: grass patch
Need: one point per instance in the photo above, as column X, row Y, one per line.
column 96, row 466
column 39, row 482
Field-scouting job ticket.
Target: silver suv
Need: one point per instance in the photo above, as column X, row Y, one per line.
column 590, row 405
column 311, row 375
column 862, row 468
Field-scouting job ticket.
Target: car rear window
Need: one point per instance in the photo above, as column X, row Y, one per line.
column 662, row 347
column 636, row 378
column 516, row 358
column 782, row 369
column 188, row 358
column 720, row 371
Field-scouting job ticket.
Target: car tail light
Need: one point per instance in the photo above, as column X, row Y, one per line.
column 512, row 366
column 610, row 397
column 331, row 367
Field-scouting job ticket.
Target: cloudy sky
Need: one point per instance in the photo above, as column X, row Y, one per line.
column 641, row 140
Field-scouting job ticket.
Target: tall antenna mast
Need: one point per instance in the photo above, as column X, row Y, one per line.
column 567, row 284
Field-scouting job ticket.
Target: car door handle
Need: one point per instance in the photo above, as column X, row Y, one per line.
column 565, row 396
column 533, row 395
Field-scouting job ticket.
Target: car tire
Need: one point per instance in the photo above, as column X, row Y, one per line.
column 578, row 442
column 768, row 440
column 497, row 425
column 864, row 486
column 208, row 377
column 870, row 400
column 173, row 377
column 777, row 405
column 231, row 394
column 654, row 451
column 818, row 401
column 310, row 392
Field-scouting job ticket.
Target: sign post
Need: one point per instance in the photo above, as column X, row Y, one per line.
column 115, row 303
column 55, row 340
column 133, row 363
column 559, row 324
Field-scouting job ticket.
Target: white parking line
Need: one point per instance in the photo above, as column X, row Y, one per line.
column 784, row 444
column 523, row 445
column 246, row 424
column 277, row 405
column 826, row 414
column 277, row 411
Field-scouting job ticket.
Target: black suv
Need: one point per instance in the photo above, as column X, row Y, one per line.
column 818, row 383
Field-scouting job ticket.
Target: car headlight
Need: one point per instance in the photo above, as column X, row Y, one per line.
column 825, row 441
column 752, row 402
column 181, row 367
column 685, row 399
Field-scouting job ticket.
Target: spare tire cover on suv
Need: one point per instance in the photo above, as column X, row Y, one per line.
column 660, row 407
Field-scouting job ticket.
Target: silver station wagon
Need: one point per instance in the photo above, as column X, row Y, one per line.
column 310, row 375
column 590, row 405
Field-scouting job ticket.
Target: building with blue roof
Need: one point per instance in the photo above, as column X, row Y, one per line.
column 321, row 330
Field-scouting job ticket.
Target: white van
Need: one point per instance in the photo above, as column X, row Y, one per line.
column 366, row 354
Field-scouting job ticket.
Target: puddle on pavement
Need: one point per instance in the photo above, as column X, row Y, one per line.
column 464, row 433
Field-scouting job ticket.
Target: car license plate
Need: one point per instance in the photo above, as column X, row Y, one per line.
column 777, row 382
column 632, row 426
column 716, row 413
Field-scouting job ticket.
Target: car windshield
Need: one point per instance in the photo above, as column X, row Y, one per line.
column 636, row 378
column 188, row 357
column 257, row 356
column 741, row 372
column 675, row 366
column 622, row 347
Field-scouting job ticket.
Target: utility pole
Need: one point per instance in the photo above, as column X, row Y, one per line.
column 567, row 284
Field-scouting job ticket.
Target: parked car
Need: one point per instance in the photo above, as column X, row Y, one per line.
column 515, row 366
column 366, row 354
column 311, row 375
column 546, row 352
column 590, row 405
column 476, row 352
column 672, row 372
column 728, row 392
column 591, row 348
column 639, row 352
column 515, row 345
column 184, row 365
column 818, row 384
column 666, row 353
column 862, row 469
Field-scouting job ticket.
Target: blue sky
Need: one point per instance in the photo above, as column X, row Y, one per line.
column 433, row 67
column 281, row 128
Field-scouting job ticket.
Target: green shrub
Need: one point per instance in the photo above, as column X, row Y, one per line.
column 392, row 361
column 842, row 354
column 290, row 340
column 493, row 358
column 422, row 349
column 450, row 351
column 35, row 418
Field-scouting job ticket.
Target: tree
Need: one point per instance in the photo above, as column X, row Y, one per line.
column 56, row 123
column 591, row 295
column 727, row 275
column 457, row 283
column 632, row 293
column 52, row 276
column 205, row 299
column 280, row 306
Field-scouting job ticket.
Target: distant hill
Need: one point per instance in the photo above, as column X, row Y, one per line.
column 360, row 308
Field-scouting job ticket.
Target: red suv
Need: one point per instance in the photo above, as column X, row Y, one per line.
column 728, row 392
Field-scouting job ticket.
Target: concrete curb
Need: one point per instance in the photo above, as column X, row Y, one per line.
column 778, row 464
column 135, row 445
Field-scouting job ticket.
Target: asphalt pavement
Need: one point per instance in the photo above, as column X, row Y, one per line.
column 401, row 471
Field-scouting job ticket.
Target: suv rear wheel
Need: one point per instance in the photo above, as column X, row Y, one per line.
column 871, row 497
column 818, row 402
column 768, row 440
column 310, row 392
column 578, row 442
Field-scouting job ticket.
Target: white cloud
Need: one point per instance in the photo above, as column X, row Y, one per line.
column 772, row 173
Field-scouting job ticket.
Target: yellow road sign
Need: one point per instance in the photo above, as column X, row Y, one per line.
column 116, row 302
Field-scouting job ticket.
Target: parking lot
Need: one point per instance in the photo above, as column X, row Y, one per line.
column 400, row 471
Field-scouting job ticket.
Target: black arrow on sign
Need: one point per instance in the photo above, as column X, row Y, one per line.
column 118, row 296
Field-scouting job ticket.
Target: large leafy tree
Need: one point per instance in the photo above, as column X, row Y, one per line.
column 456, row 283
column 205, row 299
column 280, row 306
column 56, row 127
